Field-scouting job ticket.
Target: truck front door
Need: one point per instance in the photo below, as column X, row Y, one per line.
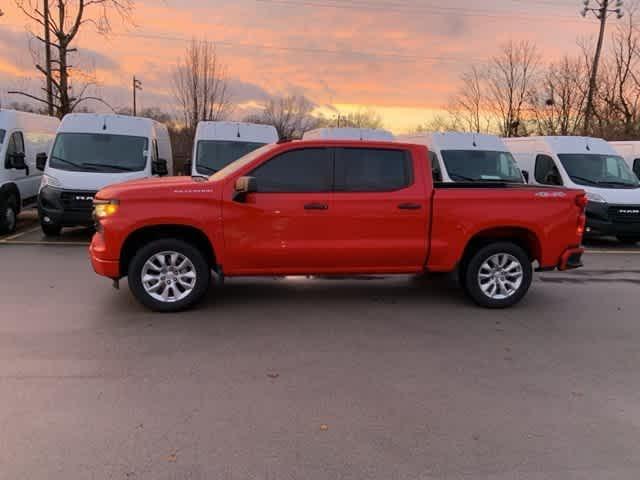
column 286, row 226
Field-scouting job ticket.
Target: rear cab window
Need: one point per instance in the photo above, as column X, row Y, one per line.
column 372, row 170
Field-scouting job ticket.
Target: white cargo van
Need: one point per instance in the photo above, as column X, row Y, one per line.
column 467, row 157
column 348, row 133
column 630, row 151
column 93, row 151
column 22, row 137
column 217, row 144
column 590, row 164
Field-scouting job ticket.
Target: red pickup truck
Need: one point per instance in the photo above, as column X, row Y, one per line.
column 332, row 208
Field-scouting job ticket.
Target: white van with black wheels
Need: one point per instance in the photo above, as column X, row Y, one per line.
column 93, row 151
column 22, row 136
column 467, row 157
column 217, row 144
column 630, row 151
column 593, row 165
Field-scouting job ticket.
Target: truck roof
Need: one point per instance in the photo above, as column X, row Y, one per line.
column 348, row 133
column 457, row 141
column 108, row 123
column 566, row 144
column 236, row 132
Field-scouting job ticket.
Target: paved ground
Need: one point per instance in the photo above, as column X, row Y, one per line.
column 316, row 379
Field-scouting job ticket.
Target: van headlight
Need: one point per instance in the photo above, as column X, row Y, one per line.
column 595, row 198
column 105, row 208
column 49, row 181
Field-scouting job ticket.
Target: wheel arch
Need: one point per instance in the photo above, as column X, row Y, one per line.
column 138, row 238
column 525, row 238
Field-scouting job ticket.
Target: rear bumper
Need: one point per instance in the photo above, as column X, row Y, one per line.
column 102, row 266
column 570, row 259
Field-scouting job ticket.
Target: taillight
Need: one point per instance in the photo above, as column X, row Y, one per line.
column 581, row 201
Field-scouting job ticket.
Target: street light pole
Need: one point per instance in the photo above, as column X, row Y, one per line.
column 137, row 85
column 601, row 12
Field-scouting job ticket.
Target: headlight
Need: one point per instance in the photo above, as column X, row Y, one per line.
column 105, row 208
column 594, row 197
column 49, row 181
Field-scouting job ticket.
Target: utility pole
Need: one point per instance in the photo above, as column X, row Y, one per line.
column 601, row 12
column 47, row 54
column 137, row 85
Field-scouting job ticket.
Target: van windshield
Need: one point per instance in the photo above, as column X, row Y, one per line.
column 214, row 155
column 2, row 134
column 481, row 166
column 606, row 171
column 99, row 152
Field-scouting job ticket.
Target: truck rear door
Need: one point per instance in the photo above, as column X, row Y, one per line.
column 380, row 209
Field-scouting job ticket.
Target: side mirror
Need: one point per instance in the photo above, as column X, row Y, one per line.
column 159, row 167
column 16, row 161
column 41, row 161
column 525, row 175
column 186, row 169
column 243, row 186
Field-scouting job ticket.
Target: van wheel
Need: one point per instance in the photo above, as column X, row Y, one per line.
column 169, row 275
column 9, row 218
column 498, row 275
column 51, row 230
column 629, row 240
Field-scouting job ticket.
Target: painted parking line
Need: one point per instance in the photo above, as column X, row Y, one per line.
column 43, row 242
column 613, row 252
column 18, row 235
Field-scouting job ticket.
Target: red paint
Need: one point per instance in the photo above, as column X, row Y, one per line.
column 272, row 233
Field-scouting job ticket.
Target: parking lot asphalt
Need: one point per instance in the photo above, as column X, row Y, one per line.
column 383, row 378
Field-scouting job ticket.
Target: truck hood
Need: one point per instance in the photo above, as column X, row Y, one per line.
column 157, row 188
column 90, row 181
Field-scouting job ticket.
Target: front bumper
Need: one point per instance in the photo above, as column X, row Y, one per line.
column 65, row 208
column 604, row 219
column 101, row 265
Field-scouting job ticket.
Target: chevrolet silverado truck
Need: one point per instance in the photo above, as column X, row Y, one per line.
column 325, row 207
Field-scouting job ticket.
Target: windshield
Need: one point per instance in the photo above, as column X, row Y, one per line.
column 241, row 162
column 477, row 165
column 99, row 152
column 607, row 171
column 214, row 155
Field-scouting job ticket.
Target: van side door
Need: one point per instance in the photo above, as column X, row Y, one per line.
column 28, row 189
column 380, row 210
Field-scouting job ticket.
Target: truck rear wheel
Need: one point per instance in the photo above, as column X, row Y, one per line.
column 9, row 217
column 498, row 275
column 169, row 275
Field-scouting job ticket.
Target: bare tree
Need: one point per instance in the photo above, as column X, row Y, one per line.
column 468, row 106
column 63, row 24
column 291, row 116
column 364, row 118
column 200, row 85
column 558, row 105
column 511, row 76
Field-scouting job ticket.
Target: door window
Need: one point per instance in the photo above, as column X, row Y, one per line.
column 303, row 170
column 636, row 167
column 16, row 145
column 546, row 172
column 372, row 170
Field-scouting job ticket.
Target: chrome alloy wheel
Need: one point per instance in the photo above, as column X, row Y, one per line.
column 500, row 276
column 168, row 277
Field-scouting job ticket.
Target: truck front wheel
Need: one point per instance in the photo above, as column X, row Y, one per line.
column 498, row 275
column 169, row 275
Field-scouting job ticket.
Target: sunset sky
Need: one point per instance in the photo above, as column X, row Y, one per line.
column 401, row 58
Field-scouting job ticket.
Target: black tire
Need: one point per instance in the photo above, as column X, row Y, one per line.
column 51, row 230
column 9, row 216
column 629, row 240
column 200, row 268
column 471, row 275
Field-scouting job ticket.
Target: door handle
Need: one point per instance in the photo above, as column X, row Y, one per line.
column 409, row 206
column 316, row 206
